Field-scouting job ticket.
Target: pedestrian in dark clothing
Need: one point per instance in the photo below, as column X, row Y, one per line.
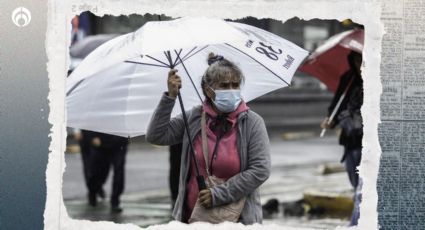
column 107, row 150
column 348, row 117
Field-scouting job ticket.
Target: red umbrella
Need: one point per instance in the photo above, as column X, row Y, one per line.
column 329, row 61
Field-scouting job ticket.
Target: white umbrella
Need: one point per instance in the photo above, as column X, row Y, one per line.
column 117, row 87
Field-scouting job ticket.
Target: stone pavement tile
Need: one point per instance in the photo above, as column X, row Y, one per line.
column 142, row 212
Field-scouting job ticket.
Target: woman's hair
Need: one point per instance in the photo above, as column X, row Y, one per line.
column 218, row 68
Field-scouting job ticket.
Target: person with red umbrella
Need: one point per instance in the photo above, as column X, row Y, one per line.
column 337, row 64
column 348, row 117
column 349, row 96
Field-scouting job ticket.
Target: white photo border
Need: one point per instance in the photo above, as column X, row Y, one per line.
column 60, row 13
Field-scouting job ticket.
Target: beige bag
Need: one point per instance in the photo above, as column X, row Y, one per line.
column 229, row 212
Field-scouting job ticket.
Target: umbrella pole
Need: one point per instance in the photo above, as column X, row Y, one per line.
column 336, row 108
column 199, row 178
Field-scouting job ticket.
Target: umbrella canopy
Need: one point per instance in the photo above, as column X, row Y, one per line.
column 117, row 87
column 329, row 61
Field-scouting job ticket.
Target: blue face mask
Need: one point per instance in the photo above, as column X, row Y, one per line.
column 227, row 100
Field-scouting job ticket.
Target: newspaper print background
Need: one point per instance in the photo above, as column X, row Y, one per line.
column 401, row 182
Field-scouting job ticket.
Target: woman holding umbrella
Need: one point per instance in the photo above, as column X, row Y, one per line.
column 234, row 139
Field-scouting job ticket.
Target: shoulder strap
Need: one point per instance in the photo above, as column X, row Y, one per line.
column 204, row 141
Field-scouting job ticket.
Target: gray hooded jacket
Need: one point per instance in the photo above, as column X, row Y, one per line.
column 253, row 146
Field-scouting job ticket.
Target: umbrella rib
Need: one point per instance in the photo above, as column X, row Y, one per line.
column 192, row 55
column 194, row 48
column 168, row 56
column 178, row 55
column 142, row 63
column 195, row 53
column 157, row 60
column 258, row 63
column 187, row 72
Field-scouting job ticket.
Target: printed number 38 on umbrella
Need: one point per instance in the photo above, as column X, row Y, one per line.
column 117, row 87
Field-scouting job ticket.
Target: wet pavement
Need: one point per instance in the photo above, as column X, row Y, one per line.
column 295, row 170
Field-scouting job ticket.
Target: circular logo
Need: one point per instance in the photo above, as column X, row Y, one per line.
column 21, row 16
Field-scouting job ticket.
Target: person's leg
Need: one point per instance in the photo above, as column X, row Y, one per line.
column 85, row 147
column 352, row 160
column 84, row 144
column 357, row 200
column 99, row 164
column 104, row 172
column 118, row 162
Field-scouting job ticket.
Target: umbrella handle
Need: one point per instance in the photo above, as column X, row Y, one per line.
column 201, row 182
column 322, row 134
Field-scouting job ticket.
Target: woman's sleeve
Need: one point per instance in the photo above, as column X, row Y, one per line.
column 257, row 172
column 162, row 130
